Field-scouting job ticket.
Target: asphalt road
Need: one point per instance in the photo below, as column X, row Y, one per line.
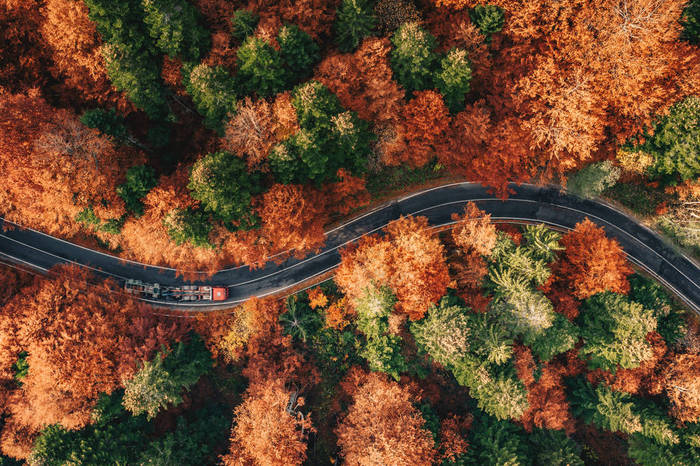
column 528, row 204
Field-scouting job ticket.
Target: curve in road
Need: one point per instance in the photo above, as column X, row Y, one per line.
column 528, row 203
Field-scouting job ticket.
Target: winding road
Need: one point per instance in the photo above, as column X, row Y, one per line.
column 528, row 204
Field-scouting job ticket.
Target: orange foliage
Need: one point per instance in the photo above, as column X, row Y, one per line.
column 640, row 380
column 681, row 382
column 592, row 262
column 54, row 166
column 75, row 51
column 292, row 218
column 364, row 81
column 410, row 260
column 452, row 437
column 338, row 314
column 82, row 339
column 268, row 429
column 546, row 396
column 346, row 195
column 423, row 123
column 315, row 17
column 317, row 298
column 474, row 230
column 383, row 427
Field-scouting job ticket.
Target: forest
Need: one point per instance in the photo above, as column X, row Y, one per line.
column 481, row 343
column 199, row 134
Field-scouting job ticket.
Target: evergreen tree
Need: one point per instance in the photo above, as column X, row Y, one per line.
column 299, row 53
column 453, row 78
column 139, row 181
column 496, row 443
column 299, row 320
column 593, row 179
column 413, row 58
column 614, row 332
column 443, row 333
column 650, row 294
column 260, row 68
column 541, row 242
column 213, row 93
column 691, row 22
column 221, row 182
column 605, row 408
column 373, row 309
column 109, row 122
column 243, row 24
column 559, row 338
column 383, row 354
column 488, row 18
column 355, row 20
column 160, row 382
column 553, row 447
column 175, row 27
column 527, row 314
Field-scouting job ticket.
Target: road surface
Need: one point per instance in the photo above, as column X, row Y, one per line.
column 528, row 204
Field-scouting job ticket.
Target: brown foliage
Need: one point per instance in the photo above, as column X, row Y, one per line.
column 269, row 430
column 315, row 17
column 383, row 427
column 592, row 262
column 453, row 443
column 639, row 381
column 346, row 195
column 681, row 382
column 474, row 230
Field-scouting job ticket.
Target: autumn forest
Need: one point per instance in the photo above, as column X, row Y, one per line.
column 203, row 134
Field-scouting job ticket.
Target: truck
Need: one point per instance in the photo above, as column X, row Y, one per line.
column 185, row 293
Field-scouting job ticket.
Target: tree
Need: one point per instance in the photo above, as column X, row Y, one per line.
column 298, row 51
column 614, row 332
column 299, row 320
column 691, row 22
column 354, row 21
column 423, row 126
column 526, row 314
column 260, row 67
column 593, row 179
column 213, row 92
column 413, row 59
column 174, row 24
column 591, row 262
column 222, row 184
column 382, row 426
column 188, row 226
column 494, row 442
column 69, row 366
column 444, row 333
column 292, row 217
column 243, row 24
column 453, row 78
column 488, row 18
column 682, row 385
column 555, row 447
column 676, row 142
column 269, row 426
column 560, row 337
column 107, row 121
column 139, row 181
column 391, row 14
column 159, row 383
column 473, row 230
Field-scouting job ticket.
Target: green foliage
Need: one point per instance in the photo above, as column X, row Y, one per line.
column 137, row 75
column 335, row 352
column 194, row 441
column 383, row 354
column 188, row 225
column 21, row 366
column 243, row 24
column 650, row 294
column 541, row 242
column 495, row 442
column 526, row 314
column 329, row 139
column 174, row 25
column 159, row 134
column 490, row 341
column 112, row 439
column 413, row 58
column 354, row 21
column 559, row 338
column 432, row 420
column 299, row 53
column 488, row 19
column 675, row 144
column 554, row 448
column 213, row 93
column 108, row 122
column 299, row 320
column 221, row 182
column 139, row 181
column 160, row 382
column 443, row 333
column 260, row 68
column 648, row 452
column 373, row 309
column 614, row 331
column 691, row 22
column 88, row 217
column 593, row 179
column 502, row 396
column 453, row 78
